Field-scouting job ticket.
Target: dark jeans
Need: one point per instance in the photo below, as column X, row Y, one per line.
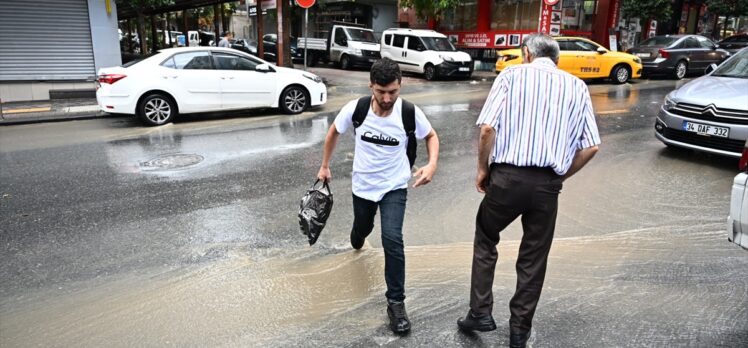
column 392, row 207
column 512, row 191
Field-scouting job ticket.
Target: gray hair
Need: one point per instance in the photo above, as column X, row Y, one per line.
column 542, row 45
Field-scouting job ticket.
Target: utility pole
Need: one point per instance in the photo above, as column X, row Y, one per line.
column 280, row 5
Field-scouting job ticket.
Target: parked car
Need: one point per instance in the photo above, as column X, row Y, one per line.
column 678, row 55
column 585, row 59
column 734, row 43
column 245, row 46
column 270, row 47
column 200, row 79
column 709, row 113
column 425, row 52
column 737, row 221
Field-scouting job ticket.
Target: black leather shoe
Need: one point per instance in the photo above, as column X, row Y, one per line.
column 474, row 322
column 399, row 322
column 356, row 241
column 519, row 340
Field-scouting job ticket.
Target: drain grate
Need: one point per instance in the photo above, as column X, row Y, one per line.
column 174, row 161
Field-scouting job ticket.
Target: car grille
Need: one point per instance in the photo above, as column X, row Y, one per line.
column 371, row 54
column 724, row 144
column 711, row 113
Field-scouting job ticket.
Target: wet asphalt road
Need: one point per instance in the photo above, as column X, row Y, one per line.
column 187, row 235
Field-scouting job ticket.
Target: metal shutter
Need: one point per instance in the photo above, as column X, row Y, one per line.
column 45, row 40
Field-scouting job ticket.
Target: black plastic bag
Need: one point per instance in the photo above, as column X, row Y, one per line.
column 314, row 210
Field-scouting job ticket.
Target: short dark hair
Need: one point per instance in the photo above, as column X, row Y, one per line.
column 385, row 71
column 226, row 33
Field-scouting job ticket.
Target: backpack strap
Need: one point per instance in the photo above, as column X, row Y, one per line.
column 362, row 109
column 409, row 123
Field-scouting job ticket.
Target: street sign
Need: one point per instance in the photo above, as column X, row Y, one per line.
column 551, row 2
column 309, row 3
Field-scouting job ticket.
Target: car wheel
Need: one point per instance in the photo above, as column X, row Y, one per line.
column 429, row 72
column 681, row 68
column 294, row 100
column 157, row 109
column 345, row 63
column 620, row 74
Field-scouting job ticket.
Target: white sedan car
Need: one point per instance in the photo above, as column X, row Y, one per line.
column 202, row 79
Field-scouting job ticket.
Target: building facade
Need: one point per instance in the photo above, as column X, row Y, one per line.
column 482, row 26
column 50, row 47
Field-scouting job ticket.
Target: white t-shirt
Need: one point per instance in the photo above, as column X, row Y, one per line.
column 380, row 162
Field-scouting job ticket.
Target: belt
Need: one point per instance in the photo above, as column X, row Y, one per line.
column 531, row 171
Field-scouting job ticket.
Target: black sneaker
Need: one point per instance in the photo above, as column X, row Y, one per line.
column 399, row 322
column 356, row 241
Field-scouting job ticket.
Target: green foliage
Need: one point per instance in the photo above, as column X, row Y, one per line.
column 728, row 7
column 647, row 9
column 433, row 9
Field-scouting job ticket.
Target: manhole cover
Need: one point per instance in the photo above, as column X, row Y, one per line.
column 175, row 161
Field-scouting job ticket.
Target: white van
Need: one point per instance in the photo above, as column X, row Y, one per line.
column 425, row 52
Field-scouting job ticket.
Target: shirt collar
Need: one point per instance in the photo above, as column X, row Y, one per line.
column 544, row 61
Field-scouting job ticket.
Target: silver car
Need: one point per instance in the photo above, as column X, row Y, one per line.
column 737, row 221
column 709, row 113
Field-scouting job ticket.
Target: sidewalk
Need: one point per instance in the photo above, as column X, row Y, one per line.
column 56, row 110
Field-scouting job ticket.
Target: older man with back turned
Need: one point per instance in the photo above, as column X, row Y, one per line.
column 537, row 129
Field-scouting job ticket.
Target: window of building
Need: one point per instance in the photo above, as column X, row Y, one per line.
column 461, row 18
column 578, row 15
column 516, row 14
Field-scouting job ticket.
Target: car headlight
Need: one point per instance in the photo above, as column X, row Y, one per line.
column 668, row 104
column 447, row 58
column 314, row 78
column 357, row 52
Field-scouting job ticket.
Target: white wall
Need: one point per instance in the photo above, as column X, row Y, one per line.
column 104, row 35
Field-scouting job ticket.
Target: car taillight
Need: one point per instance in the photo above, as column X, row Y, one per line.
column 743, row 164
column 664, row 54
column 111, row 78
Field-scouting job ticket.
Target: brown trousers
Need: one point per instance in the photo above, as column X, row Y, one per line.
column 512, row 191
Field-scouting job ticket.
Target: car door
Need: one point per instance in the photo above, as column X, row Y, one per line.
column 192, row 81
column 241, row 85
column 398, row 51
column 338, row 45
column 586, row 59
column 415, row 53
column 710, row 54
column 566, row 56
column 694, row 53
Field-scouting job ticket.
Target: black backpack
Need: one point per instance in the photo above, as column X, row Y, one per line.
column 409, row 123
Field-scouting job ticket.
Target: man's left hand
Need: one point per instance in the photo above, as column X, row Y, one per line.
column 426, row 173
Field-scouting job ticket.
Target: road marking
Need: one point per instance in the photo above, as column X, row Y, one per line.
column 19, row 111
column 608, row 112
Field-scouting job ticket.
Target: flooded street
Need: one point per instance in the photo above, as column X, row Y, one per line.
column 187, row 235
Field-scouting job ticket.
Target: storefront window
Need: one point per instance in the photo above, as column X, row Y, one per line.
column 515, row 15
column 578, row 15
column 462, row 18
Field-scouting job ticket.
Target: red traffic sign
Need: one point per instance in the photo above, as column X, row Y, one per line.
column 305, row 3
column 551, row 2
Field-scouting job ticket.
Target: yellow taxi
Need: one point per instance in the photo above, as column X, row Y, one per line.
column 584, row 59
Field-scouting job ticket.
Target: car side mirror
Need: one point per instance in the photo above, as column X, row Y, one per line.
column 264, row 68
column 601, row 50
column 710, row 68
column 716, row 46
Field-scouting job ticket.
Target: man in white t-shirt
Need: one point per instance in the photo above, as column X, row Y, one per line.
column 381, row 171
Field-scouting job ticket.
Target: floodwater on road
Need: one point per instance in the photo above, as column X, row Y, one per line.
column 186, row 235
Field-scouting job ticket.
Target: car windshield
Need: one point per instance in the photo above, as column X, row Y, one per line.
column 658, row 41
column 737, row 66
column 361, row 35
column 737, row 38
column 438, row 44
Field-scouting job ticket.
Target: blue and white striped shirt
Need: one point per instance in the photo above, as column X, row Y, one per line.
column 542, row 116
